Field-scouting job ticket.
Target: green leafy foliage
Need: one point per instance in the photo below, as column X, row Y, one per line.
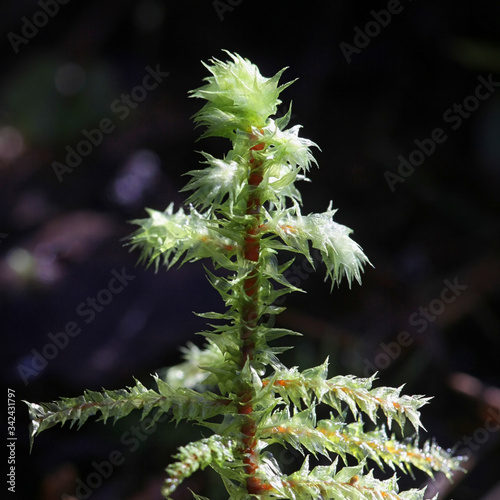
column 243, row 209
column 181, row 403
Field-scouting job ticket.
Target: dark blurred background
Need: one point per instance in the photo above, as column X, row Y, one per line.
column 426, row 316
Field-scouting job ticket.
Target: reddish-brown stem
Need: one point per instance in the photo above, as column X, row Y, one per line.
column 251, row 253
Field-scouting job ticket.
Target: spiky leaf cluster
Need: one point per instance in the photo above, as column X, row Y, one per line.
column 180, row 403
column 243, row 209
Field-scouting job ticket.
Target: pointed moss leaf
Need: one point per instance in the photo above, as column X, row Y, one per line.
column 351, row 439
column 183, row 403
column 238, row 97
column 341, row 255
column 191, row 373
column 287, row 149
column 350, row 390
column 198, row 455
column 211, row 184
column 324, row 482
column 283, row 121
column 276, row 333
column 347, row 473
column 198, row 497
column 106, row 404
column 171, row 237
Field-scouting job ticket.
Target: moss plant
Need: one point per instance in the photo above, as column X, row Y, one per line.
column 243, row 210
